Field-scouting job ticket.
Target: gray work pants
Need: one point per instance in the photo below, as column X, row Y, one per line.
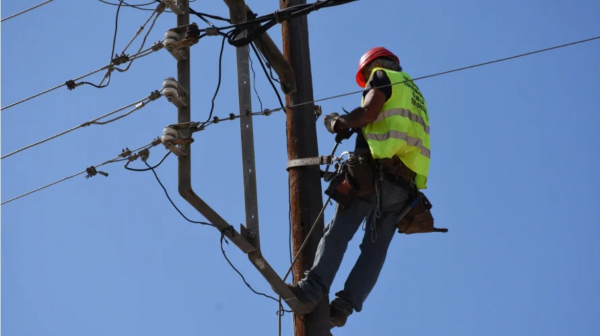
column 378, row 235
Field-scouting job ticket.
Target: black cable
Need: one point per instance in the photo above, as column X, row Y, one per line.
column 112, row 53
column 214, row 17
column 212, row 108
column 270, row 80
column 267, row 64
column 254, row 81
column 136, row 6
column 242, row 276
column 170, row 200
column 146, row 169
column 127, row 4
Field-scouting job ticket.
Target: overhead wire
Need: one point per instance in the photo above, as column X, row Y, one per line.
column 26, row 10
column 138, row 105
column 254, row 80
column 137, row 6
column 169, row 197
column 430, row 76
column 119, row 158
column 73, row 83
column 212, row 106
column 146, row 169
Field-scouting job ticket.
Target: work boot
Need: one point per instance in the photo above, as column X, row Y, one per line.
column 309, row 306
column 337, row 317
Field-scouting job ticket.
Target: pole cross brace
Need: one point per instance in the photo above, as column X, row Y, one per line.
column 313, row 161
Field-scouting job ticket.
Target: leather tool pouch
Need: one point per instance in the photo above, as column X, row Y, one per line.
column 419, row 218
column 356, row 179
column 361, row 174
column 340, row 190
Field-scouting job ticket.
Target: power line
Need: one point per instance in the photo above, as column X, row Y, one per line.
column 27, row 10
column 212, row 107
column 158, row 11
column 442, row 73
column 254, row 80
column 115, row 61
column 270, row 78
column 122, row 157
column 138, row 105
column 72, row 83
column 135, row 6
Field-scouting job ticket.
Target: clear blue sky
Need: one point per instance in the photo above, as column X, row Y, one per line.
column 514, row 176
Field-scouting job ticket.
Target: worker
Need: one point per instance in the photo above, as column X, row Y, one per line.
column 395, row 131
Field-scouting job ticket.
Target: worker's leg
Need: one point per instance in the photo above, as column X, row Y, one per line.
column 332, row 247
column 373, row 248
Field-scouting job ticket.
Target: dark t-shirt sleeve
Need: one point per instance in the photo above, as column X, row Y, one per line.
column 381, row 81
column 380, row 78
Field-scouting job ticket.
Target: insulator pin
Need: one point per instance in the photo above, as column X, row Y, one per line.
column 174, row 92
column 169, row 135
column 171, row 38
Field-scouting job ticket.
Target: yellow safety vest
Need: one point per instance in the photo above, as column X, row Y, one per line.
column 402, row 127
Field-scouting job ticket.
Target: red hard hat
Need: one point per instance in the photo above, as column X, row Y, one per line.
column 368, row 57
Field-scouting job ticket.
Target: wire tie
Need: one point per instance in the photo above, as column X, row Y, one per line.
column 231, row 116
column 276, row 16
column 144, row 154
column 216, row 120
column 314, row 6
column 71, row 85
column 212, row 31
column 125, row 152
column 133, row 157
column 157, row 46
column 91, row 171
column 160, row 8
column 118, row 60
column 156, row 142
column 231, row 231
column 154, row 95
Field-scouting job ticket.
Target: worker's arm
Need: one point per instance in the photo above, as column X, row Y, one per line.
column 362, row 116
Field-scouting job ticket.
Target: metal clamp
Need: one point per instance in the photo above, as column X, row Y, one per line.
column 173, row 6
column 313, row 161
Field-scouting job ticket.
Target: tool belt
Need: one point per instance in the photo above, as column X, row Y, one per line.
column 397, row 169
column 418, row 219
column 355, row 178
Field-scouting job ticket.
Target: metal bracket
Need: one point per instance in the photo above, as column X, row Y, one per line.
column 313, row 161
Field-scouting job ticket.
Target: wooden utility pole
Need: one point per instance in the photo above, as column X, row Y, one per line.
column 305, row 182
column 184, row 112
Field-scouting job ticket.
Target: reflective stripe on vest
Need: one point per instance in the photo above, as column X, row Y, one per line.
column 402, row 127
column 415, row 142
column 404, row 113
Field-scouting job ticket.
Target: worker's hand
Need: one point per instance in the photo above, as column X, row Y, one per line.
column 346, row 134
column 330, row 121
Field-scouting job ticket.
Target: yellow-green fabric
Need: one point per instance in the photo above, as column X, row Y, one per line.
column 402, row 127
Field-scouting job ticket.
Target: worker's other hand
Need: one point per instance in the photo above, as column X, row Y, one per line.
column 330, row 121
